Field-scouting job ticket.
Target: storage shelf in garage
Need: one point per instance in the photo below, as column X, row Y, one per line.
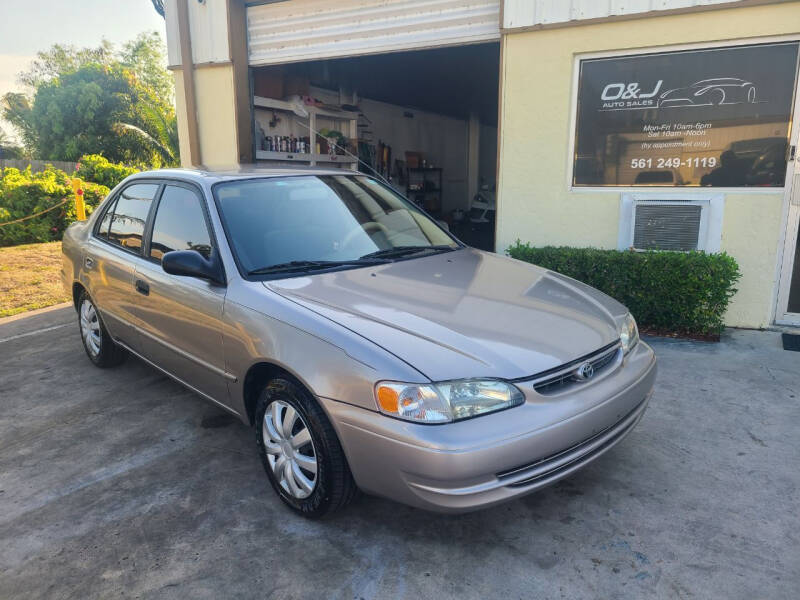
column 294, row 112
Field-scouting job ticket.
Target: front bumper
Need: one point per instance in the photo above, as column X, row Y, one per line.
column 471, row 464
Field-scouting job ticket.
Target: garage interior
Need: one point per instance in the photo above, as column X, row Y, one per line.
column 425, row 121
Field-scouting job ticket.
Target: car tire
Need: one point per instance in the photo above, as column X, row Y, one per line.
column 103, row 351
column 291, row 432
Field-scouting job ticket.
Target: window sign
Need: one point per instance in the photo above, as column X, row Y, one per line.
column 716, row 117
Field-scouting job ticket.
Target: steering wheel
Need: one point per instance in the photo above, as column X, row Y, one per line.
column 369, row 226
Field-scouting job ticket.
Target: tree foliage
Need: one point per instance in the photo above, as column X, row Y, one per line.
column 8, row 148
column 16, row 108
column 98, row 101
column 61, row 58
column 145, row 57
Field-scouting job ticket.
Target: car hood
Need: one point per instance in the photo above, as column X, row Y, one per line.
column 465, row 313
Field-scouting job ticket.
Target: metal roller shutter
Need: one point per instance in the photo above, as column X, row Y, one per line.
column 299, row 30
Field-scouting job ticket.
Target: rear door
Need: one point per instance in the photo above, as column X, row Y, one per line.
column 181, row 317
column 112, row 253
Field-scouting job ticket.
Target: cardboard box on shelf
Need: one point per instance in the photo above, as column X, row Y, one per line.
column 413, row 159
column 268, row 83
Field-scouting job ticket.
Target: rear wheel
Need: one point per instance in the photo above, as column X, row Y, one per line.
column 99, row 346
column 301, row 454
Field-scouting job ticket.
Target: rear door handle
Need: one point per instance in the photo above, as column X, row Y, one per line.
column 88, row 262
column 143, row 287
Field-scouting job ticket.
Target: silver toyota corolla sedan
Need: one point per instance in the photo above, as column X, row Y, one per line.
column 367, row 347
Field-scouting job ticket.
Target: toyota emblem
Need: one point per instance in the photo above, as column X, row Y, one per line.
column 585, row 372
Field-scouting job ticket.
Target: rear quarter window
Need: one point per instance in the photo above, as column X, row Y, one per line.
column 127, row 223
column 102, row 228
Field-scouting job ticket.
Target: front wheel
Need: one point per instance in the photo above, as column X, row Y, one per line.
column 301, row 454
column 100, row 348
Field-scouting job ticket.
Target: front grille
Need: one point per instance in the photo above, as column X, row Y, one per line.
column 582, row 452
column 559, row 379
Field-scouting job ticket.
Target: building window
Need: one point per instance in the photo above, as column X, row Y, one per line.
column 715, row 117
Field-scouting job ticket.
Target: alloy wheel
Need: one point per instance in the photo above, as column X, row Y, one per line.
column 290, row 450
column 90, row 327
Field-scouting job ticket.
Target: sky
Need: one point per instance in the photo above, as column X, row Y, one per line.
column 28, row 26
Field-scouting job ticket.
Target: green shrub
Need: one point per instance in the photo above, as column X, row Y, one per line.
column 681, row 292
column 23, row 193
column 96, row 168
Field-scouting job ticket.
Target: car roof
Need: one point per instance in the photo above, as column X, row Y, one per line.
column 213, row 175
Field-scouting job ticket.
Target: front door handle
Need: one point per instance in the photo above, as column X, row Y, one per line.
column 143, row 287
column 88, row 262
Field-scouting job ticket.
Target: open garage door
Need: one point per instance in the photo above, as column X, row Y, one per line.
column 302, row 30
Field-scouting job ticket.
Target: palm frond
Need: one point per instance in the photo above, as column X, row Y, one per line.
column 166, row 152
column 159, row 6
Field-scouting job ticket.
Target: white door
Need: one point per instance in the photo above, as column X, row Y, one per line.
column 788, row 302
column 789, row 290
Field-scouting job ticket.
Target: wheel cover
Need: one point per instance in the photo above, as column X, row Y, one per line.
column 290, row 451
column 90, row 327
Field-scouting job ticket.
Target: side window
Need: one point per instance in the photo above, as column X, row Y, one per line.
column 130, row 216
column 102, row 228
column 180, row 224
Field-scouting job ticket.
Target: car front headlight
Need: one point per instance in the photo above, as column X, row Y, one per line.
column 445, row 401
column 628, row 334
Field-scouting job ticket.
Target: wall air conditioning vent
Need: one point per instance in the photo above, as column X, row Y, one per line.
column 667, row 226
column 671, row 221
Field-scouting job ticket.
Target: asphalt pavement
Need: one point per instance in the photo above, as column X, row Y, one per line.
column 120, row 483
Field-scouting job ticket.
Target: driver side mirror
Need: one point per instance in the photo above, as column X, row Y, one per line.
column 190, row 263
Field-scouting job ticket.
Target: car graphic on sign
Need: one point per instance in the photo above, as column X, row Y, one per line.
column 710, row 92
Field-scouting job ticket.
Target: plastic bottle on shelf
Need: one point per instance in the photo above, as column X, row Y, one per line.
column 261, row 138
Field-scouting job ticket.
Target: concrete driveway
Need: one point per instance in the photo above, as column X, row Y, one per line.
column 121, row 484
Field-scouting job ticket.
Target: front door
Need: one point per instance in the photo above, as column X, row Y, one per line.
column 788, row 306
column 181, row 317
column 789, row 291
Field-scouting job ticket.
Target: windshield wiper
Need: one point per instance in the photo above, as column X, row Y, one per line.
column 373, row 258
column 399, row 251
column 308, row 265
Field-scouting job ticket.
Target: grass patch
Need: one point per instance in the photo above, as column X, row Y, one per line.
column 30, row 277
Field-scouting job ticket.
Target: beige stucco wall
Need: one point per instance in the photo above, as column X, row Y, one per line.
column 216, row 115
column 180, row 113
column 750, row 233
column 534, row 201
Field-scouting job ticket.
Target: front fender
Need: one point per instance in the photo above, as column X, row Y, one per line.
column 330, row 361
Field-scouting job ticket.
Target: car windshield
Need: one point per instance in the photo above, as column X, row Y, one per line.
column 281, row 225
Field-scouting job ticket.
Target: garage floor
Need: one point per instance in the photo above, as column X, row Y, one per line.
column 122, row 484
